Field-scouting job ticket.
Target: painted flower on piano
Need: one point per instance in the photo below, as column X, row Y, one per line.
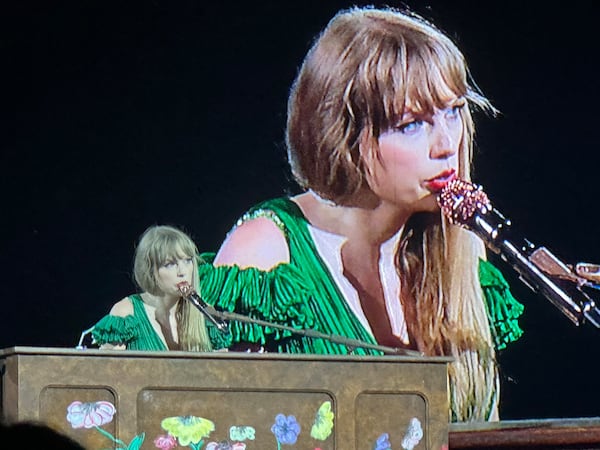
column 193, row 431
column 323, row 424
column 383, row 442
column 285, row 429
column 165, row 442
column 94, row 415
column 90, row 415
column 411, row 439
column 189, row 430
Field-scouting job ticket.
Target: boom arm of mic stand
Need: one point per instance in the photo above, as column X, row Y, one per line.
column 315, row 334
column 525, row 258
column 209, row 312
column 465, row 204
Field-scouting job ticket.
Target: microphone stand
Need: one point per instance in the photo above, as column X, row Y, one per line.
column 466, row 204
column 539, row 269
column 316, row 334
column 218, row 318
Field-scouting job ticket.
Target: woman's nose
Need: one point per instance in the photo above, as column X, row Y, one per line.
column 443, row 143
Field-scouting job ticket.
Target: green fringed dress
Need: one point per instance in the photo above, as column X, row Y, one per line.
column 137, row 333
column 303, row 294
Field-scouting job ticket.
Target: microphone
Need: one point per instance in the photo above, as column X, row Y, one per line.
column 465, row 204
column 209, row 312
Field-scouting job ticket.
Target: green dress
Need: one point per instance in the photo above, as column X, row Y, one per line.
column 303, row 295
column 137, row 333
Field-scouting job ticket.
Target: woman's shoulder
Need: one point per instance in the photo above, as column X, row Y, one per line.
column 257, row 240
column 123, row 307
column 119, row 326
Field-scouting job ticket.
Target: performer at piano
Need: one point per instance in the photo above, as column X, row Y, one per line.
column 379, row 120
column 158, row 318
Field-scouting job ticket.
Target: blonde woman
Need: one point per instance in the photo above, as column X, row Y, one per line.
column 379, row 121
column 157, row 318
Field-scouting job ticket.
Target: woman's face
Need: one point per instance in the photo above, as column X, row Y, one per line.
column 418, row 156
column 174, row 271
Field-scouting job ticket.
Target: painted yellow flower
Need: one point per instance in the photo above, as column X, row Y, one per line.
column 188, row 429
column 323, row 425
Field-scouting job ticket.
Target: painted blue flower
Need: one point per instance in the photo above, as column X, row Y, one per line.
column 286, row 429
column 383, row 442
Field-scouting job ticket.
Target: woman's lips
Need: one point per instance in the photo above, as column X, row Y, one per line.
column 438, row 182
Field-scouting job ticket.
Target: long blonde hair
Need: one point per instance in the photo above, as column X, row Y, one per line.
column 353, row 85
column 158, row 244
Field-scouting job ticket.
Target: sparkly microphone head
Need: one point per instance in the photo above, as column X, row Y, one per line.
column 460, row 200
column 184, row 288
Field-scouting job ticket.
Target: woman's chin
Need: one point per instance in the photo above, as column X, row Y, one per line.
column 428, row 204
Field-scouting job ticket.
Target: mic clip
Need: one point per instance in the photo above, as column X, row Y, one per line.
column 209, row 312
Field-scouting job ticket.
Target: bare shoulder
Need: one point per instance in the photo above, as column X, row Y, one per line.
column 122, row 308
column 255, row 243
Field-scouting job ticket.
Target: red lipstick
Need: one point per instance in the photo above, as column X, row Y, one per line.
column 438, row 182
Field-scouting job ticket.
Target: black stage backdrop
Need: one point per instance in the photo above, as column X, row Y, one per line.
column 119, row 115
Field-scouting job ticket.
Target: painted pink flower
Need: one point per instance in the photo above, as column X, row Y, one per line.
column 90, row 415
column 165, row 442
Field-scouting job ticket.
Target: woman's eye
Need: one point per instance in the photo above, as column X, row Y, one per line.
column 454, row 111
column 189, row 260
column 169, row 264
column 409, row 127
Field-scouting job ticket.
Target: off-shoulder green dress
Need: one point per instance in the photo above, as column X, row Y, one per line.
column 137, row 333
column 304, row 295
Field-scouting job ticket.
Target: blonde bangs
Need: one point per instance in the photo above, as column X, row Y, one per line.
column 172, row 247
column 414, row 72
column 433, row 78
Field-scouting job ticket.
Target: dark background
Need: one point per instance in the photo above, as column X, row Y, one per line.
column 119, row 115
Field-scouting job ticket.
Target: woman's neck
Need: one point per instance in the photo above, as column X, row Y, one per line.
column 371, row 226
column 160, row 302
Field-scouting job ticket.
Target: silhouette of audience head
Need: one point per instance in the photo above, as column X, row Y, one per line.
column 35, row 435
